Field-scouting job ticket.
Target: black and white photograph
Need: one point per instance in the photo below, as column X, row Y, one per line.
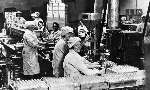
column 74, row 44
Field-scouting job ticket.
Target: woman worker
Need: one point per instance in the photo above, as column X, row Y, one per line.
column 31, row 66
column 83, row 35
column 74, row 65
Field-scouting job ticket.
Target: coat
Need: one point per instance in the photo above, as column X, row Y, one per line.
column 60, row 51
column 29, row 53
column 74, row 66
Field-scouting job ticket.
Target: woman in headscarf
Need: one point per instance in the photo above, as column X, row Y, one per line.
column 75, row 65
column 31, row 66
column 61, row 50
column 83, row 35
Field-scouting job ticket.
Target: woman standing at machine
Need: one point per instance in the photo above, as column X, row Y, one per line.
column 31, row 66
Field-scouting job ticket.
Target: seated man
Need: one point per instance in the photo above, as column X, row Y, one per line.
column 75, row 65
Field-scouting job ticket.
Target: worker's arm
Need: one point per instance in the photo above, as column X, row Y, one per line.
column 82, row 67
column 89, row 64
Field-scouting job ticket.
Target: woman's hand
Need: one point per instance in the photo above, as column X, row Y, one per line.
column 93, row 66
column 95, row 63
column 99, row 72
column 42, row 43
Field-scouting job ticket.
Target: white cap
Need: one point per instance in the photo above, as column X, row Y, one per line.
column 65, row 30
column 35, row 14
column 18, row 12
column 29, row 23
column 72, row 41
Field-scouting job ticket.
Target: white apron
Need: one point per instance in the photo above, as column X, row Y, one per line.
column 30, row 55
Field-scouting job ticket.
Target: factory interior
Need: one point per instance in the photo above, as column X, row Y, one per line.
column 74, row 44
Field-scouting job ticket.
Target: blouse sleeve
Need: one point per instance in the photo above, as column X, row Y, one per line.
column 79, row 65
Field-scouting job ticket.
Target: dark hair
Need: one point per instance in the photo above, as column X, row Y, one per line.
column 143, row 18
column 55, row 23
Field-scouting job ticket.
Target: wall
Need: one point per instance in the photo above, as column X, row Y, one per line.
column 20, row 4
column 133, row 4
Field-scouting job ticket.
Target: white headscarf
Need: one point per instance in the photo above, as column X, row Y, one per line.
column 35, row 14
column 73, row 40
column 65, row 30
column 29, row 23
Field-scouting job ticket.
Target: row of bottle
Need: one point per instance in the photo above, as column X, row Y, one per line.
column 49, row 83
column 81, row 83
column 61, row 84
column 76, row 83
column 35, row 84
column 124, row 68
column 117, row 77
